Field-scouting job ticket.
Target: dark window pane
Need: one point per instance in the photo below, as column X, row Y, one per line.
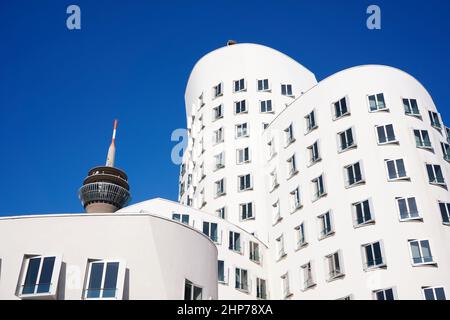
column 390, row 132
column 389, row 293
column 31, row 277
column 381, row 135
column 46, row 275
column 187, row 291
column 95, row 280
column 429, row 294
column 112, row 269
column 440, row 294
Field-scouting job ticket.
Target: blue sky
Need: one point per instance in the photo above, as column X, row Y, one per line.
column 60, row 90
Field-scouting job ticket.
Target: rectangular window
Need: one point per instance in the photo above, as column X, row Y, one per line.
column 314, row 155
column 39, row 274
column 362, row 212
column 411, row 107
column 221, row 213
column 445, row 151
column 289, row 132
column 273, row 179
column 334, row 266
column 263, row 85
column 243, row 155
column 340, row 108
column 218, row 136
column 420, row 252
column 354, row 174
column 422, row 139
column 266, row 106
column 261, row 289
column 396, row 169
column 219, row 160
column 201, row 102
column 276, row 212
column 325, row 226
column 307, row 275
column 376, row 102
column 218, row 112
column 292, row 166
column 384, row 294
column 311, row 121
column 234, row 241
column 241, row 279
column 434, row 293
column 296, row 199
column 285, row 285
column 300, row 236
column 271, row 147
column 373, row 255
column 445, row 212
column 346, row 140
column 220, row 187
column 286, row 90
column 218, row 90
column 245, row 182
column 319, row 187
column 434, row 120
column 435, row 174
column 239, row 85
column 280, row 247
column 210, row 229
column 221, row 271
column 386, row 134
column 242, row 130
column 240, row 107
column 254, row 252
column 102, row 282
column 407, row 208
column 201, row 199
column 192, row 291
column 246, row 210
column 183, row 218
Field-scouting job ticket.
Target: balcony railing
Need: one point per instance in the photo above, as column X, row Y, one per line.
column 100, row 293
column 36, row 289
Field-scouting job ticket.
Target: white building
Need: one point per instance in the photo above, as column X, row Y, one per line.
column 289, row 189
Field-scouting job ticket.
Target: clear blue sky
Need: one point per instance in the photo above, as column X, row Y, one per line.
column 60, row 90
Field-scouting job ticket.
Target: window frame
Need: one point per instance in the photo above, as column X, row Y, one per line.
column 382, row 265
column 370, row 221
column 395, row 141
column 269, row 87
column 338, row 104
column 407, row 204
column 120, row 280
column 242, row 86
column 354, row 145
column 397, row 178
column 422, row 257
column 375, row 95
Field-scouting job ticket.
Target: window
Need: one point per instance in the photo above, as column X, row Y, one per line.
column 245, row 182
column 396, row 169
column 221, row 213
column 307, row 275
column 286, row 90
column 354, row 174
column 181, row 188
column 40, row 276
column 201, row 103
column 261, row 288
column 296, row 200
column 246, row 210
column 272, row 150
column 411, row 107
column 254, row 252
column 218, row 112
column 386, row 134
column 210, row 229
column 292, row 166
column 265, row 125
column 266, row 106
column 103, row 279
column 384, row 294
column 445, row 212
column 300, row 236
column 340, row 109
column 334, row 266
column 445, row 150
column 420, row 252
column 241, row 279
column 263, row 85
column 273, row 179
column 434, row 293
column 373, row 256
column 183, row 218
column 407, row 208
column 221, row 271
column 447, row 134
column 243, row 155
column 325, row 226
column 240, row 107
column 319, row 187
column 201, row 198
column 289, row 131
column 234, row 241
column 346, row 140
column 376, row 102
column 220, row 187
column 285, row 285
column 434, row 120
column 314, row 155
column 192, row 291
column 362, row 212
column 276, row 212
column 218, row 90
column 242, row 130
column 239, row 85
column 280, row 247
column 219, row 161
column 435, row 174
column 311, row 121
column 422, row 139
column 218, row 136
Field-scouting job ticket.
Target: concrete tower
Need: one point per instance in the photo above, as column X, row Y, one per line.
column 106, row 188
